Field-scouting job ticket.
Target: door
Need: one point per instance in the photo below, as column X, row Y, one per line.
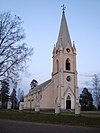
column 68, row 103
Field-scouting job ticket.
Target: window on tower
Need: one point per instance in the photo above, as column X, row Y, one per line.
column 68, row 64
column 57, row 65
column 56, row 51
column 68, row 50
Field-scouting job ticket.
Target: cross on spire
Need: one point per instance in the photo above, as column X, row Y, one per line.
column 63, row 8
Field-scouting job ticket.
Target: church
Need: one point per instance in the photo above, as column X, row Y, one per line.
column 62, row 88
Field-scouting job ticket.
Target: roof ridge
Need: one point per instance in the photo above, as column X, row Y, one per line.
column 42, row 85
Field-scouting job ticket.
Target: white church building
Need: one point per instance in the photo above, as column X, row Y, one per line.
column 62, row 88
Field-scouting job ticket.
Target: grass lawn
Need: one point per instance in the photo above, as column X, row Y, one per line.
column 86, row 119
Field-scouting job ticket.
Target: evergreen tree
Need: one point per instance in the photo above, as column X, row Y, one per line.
column 33, row 84
column 4, row 95
column 86, row 100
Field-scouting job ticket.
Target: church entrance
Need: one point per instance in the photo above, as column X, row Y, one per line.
column 68, row 103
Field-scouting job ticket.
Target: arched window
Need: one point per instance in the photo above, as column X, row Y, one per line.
column 57, row 65
column 68, row 64
column 68, row 97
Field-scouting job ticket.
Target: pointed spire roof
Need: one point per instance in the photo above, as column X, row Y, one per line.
column 64, row 37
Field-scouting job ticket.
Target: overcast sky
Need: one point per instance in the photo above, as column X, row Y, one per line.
column 41, row 24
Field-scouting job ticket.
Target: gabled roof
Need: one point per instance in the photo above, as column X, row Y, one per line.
column 64, row 36
column 39, row 87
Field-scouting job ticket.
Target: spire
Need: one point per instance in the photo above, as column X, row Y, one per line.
column 64, row 36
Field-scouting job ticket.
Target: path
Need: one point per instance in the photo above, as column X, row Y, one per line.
column 8, row 126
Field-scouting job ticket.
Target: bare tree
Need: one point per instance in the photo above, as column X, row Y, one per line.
column 20, row 95
column 96, row 85
column 13, row 53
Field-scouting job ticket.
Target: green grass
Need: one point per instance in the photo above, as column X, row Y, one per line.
column 86, row 119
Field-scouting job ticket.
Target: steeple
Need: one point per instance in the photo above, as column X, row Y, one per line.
column 64, row 37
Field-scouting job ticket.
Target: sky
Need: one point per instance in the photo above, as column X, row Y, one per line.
column 41, row 25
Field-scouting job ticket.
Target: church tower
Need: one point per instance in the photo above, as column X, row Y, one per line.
column 64, row 73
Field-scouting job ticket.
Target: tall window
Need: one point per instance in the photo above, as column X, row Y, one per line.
column 68, row 64
column 57, row 65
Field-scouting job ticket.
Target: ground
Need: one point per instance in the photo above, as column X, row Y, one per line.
column 89, row 119
column 8, row 126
